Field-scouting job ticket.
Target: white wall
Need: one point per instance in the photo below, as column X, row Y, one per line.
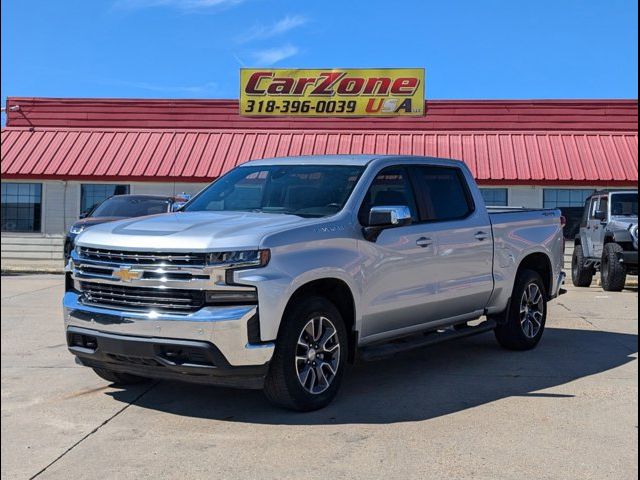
column 526, row 196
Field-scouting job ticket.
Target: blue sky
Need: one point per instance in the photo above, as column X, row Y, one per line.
column 194, row 48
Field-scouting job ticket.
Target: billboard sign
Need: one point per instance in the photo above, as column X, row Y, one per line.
column 337, row 92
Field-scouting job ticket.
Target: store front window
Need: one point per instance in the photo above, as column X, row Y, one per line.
column 570, row 201
column 91, row 194
column 495, row 197
column 21, row 207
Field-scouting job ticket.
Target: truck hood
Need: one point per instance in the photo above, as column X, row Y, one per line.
column 189, row 231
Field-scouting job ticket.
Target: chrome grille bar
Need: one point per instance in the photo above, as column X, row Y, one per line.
column 143, row 258
column 127, row 297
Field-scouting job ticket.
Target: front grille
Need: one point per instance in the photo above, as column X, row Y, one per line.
column 143, row 258
column 139, row 298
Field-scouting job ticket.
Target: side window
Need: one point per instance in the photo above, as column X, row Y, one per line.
column 390, row 188
column 604, row 205
column 586, row 213
column 594, row 208
column 442, row 193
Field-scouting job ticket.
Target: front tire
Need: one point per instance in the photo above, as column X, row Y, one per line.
column 524, row 321
column 580, row 275
column 613, row 273
column 310, row 356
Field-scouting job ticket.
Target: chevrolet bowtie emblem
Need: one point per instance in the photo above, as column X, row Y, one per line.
column 126, row 274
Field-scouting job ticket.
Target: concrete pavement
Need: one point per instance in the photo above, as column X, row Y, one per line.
column 465, row 409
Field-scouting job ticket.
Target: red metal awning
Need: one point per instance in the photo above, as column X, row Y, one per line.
column 568, row 142
column 160, row 155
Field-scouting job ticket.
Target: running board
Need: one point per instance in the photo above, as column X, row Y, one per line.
column 379, row 351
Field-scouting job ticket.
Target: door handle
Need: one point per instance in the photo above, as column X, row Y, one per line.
column 424, row 242
column 481, row 236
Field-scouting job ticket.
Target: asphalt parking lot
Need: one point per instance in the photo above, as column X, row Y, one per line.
column 465, row 409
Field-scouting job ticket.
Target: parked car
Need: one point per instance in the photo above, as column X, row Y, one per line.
column 118, row 207
column 608, row 240
column 284, row 270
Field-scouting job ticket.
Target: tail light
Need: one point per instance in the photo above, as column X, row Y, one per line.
column 563, row 221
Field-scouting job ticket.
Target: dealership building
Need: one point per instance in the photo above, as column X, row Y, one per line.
column 61, row 156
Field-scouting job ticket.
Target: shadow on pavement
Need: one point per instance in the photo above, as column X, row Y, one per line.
column 419, row 385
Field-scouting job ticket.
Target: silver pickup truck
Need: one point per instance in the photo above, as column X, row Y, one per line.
column 283, row 271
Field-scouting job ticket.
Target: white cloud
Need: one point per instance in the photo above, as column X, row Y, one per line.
column 179, row 4
column 270, row 56
column 278, row 28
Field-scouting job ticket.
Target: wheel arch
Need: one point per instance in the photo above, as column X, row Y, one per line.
column 339, row 293
column 623, row 237
column 541, row 263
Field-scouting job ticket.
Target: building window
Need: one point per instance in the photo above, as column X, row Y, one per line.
column 495, row 197
column 571, row 203
column 565, row 197
column 21, row 207
column 91, row 194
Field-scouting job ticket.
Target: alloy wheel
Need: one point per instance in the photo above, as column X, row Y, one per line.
column 317, row 355
column 531, row 310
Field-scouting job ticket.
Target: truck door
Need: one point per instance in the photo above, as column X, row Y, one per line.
column 400, row 275
column 462, row 232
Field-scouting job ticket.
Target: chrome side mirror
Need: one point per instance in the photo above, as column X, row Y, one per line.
column 383, row 217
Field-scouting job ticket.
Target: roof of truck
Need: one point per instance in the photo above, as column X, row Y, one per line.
column 613, row 190
column 355, row 160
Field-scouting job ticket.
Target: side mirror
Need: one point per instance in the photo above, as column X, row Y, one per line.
column 383, row 217
column 83, row 215
column 601, row 215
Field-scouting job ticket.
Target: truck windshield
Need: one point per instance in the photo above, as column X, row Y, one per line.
column 624, row 204
column 302, row 190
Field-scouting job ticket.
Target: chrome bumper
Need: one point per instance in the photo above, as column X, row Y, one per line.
column 224, row 327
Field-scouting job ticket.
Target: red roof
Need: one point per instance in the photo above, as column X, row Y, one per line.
column 503, row 142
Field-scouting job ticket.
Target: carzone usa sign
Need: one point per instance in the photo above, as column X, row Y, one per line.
column 332, row 92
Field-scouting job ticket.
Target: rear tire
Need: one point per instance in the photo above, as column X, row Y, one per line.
column 524, row 321
column 581, row 275
column 119, row 378
column 310, row 356
column 613, row 273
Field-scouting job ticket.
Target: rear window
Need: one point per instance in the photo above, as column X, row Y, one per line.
column 443, row 193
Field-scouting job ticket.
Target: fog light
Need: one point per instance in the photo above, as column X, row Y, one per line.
column 225, row 297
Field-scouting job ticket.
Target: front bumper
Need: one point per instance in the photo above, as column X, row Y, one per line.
column 126, row 339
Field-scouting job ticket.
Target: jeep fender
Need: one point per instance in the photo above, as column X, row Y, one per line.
column 618, row 236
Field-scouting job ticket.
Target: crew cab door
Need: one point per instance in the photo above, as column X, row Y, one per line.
column 438, row 267
column 462, row 232
column 399, row 279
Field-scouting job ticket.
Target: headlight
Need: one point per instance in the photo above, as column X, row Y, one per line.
column 76, row 229
column 241, row 258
